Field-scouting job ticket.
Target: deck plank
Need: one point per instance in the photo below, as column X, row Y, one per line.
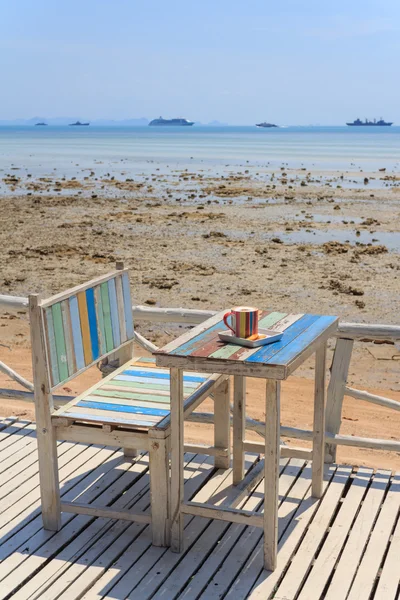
column 343, row 546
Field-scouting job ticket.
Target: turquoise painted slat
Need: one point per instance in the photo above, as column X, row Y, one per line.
column 103, row 419
column 114, row 312
column 153, row 373
column 186, row 348
column 127, row 305
column 131, row 396
column 69, row 345
column 129, row 378
column 94, row 338
column 100, row 320
column 153, row 412
column 142, row 385
column 303, row 340
column 266, row 353
column 105, row 298
column 62, row 360
column 146, row 359
column 76, row 332
column 51, row 349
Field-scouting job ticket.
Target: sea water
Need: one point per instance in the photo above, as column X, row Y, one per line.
column 68, row 150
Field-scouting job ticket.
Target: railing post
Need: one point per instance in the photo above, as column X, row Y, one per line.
column 336, row 389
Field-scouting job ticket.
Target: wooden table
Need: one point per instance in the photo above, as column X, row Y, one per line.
column 201, row 350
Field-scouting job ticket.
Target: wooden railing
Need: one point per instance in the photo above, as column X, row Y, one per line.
column 346, row 335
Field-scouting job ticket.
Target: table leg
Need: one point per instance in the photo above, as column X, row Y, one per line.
column 318, row 452
column 177, row 481
column 222, row 424
column 271, row 473
column 239, row 426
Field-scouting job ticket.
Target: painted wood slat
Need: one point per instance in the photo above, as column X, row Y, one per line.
column 84, row 318
column 51, row 346
column 60, row 341
column 281, row 325
column 94, row 336
column 130, row 396
column 128, row 306
column 69, row 344
column 234, row 351
column 120, row 309
column 200, row 340
column 303, row 340
column 128, row 402
column 264, row 354
column 101, row 331
column 155, row 373
column 130, row 378
column 76, row 332
column 112, row 293
column 153, row 412
column 105, row 299
column 103, row 416
column 143, row 387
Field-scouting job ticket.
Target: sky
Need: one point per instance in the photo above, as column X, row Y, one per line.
column 290, row 62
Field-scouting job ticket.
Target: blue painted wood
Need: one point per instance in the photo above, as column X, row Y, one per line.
column 126, row 292
column 265, row 354
column 153, row 412
column 112, row 292
column 154, row 374
column 303, row 340
column 94, row 336
column 131, row 378
column 103, row 419
column 76, row 332
column 188, row 347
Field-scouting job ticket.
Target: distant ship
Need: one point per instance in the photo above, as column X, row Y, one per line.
column 266, row 125
column 366, row 123
column 40, row 124
column 79, row 124
column 172, row 122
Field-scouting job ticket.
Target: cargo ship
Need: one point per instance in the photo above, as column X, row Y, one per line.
column 171, row 122
column 79, row 124
column 367, row 123
column 266, row 125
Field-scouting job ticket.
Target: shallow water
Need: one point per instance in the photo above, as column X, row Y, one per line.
column 68, row 150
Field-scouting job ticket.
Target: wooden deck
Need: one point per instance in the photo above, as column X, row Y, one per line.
column 346, row 545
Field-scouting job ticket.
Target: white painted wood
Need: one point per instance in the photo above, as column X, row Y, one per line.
column 232, row 515
column 159, row 491
column 377, row 545
column 96, row 435
column 319, row 423
column 389, row 580
column 285, row 451
column 380, row 400
column 370, row 331
column 271, row 473
column 46, row 439
column 177, row 443
column 209, row 450
column 222, row 427
column 15, row 376
column 326, row 560
column 29, row 396
column 336, row 387
column 239, row 426
column 104, row 511
column 143, row 342
column 16, row 302
column 359, row 442
column 300, row 564
column 294, row 521
column 355, row 545
column 171, row 315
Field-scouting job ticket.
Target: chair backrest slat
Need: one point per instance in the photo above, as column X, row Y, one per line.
column 84, row 326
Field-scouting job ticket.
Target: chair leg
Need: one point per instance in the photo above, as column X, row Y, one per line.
column 49, row 481
column 159, row 490
column 131, row 452
column 222, row 426
column 239, row 427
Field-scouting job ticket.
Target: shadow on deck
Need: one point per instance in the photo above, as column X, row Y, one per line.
column 346, row 545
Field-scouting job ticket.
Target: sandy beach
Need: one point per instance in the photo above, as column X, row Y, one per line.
column 296, row 240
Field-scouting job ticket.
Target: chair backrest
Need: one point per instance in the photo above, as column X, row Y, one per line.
column 84, row 324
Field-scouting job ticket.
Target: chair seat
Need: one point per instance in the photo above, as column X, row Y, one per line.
column 136, row 395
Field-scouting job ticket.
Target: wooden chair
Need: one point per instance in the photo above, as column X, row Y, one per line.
column 130, row 408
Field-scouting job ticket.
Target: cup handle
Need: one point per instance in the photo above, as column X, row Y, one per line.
column 226, row 315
